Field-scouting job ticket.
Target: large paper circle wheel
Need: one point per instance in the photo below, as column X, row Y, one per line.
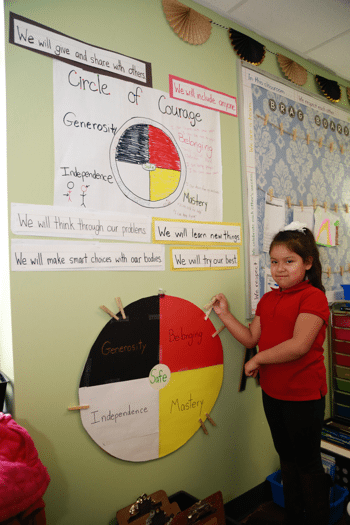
column 147, row 164
column 150, row 378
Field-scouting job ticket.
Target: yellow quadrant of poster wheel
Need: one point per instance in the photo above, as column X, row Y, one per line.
column 188, row 396
column 163, row 183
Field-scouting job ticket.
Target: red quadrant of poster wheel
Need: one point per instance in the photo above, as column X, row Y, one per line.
column 183, row 338
column 162, row 152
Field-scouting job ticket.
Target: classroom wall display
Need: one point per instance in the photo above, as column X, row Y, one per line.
column 168, row 231
column 59, row 221
column 187, row 259
column 29, row 255
column 133, row 149
column 150, row 378
column 296, row 150
column 36, row 37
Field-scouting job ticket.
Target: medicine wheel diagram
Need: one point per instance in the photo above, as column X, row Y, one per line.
column 149, row 378
column 147, row 164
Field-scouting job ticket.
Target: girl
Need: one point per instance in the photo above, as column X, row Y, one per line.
column 289, row 326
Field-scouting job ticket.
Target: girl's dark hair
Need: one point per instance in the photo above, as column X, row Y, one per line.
column 302, row 243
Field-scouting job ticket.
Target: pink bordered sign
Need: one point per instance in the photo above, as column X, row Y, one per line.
column 202, row 96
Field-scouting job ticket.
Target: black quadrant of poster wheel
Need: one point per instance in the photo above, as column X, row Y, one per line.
column 147, row 163
column 158, row 370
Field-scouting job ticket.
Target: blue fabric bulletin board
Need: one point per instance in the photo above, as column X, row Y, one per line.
column 296, row 145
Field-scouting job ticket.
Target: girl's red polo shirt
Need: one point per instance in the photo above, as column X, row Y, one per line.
column 305, row 378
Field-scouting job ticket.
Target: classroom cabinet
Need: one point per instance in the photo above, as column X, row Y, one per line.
column 340, row 361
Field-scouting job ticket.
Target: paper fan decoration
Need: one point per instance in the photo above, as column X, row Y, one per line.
column 292, row 70
column 330, row 88
column 247, row 48
column 187, row 23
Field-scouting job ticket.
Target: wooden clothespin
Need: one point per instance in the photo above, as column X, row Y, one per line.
column 208, row 307
column 314, row 203
column 301, row 204
column 270, row 192
column 325, row 206
column 342, row 149
column 346, row 208
column 266, row 119
column 331, row 147
column 294, row 134
column 341, row 270
column 320, row 142
column 289, row 202
column 336, row 208
column 219, row 330
column 206, row 317
column 211, row 420
column 308, row 139
column 210, row 304
column 107, row 310
column 203, row 427
column 329, row 271
column 79, row 407
column 120, row 306
column 281, row 129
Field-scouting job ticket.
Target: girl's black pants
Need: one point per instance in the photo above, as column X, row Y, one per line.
column 296, row 428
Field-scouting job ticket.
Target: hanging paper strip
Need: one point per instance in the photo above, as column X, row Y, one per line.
column 247, row 48
column 187, row 23
column 293, row 71
column 330, row 88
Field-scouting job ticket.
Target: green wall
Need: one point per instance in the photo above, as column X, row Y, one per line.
column 56, row 316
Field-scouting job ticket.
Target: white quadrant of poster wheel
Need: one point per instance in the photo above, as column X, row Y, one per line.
column 149, row 378
column 147, row 163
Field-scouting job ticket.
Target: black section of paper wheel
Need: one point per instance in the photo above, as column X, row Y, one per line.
column 125, row 349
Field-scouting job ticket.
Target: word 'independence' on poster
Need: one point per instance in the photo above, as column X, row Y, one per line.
column 133, row 149
column 33, row 255
column 185, row 259
column 58, row 221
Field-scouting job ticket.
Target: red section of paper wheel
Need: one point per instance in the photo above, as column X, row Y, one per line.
column 162, row 152
column 186, row 341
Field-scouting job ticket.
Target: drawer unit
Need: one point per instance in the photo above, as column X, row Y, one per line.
column 342, row 372
column 341, row 347
column 341, row 320
column 342, row 398
column 341, row 359
column 342, row 411
column 342, row 334
column 342, row 384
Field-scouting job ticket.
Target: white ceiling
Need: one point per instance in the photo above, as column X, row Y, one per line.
column 317, row 30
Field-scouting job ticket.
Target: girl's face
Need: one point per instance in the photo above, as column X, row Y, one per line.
column 287, row 268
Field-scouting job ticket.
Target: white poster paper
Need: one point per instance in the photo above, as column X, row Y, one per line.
column 133, row 149
column 275, row 210
column 59, row 221
column 129, row 410
column 254, row 282
column 304, row 215
column 41, row 255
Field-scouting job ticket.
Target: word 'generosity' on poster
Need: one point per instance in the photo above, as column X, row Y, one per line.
column 132, row 149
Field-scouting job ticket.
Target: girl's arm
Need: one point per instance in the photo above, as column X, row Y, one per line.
column 305, row 332
column 248, row 336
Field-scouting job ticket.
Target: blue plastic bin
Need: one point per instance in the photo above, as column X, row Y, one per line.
column 337, row 505
column 346, row 288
